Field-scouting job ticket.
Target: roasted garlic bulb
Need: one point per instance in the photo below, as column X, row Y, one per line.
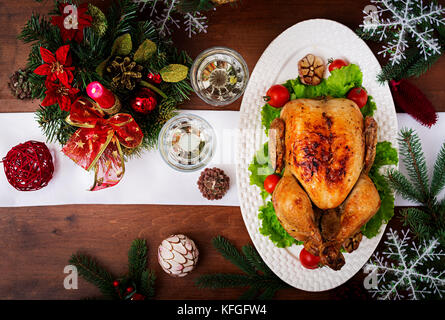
column 311, row 69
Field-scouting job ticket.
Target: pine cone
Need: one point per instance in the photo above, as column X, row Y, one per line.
column 19, row 84
column 125, row 73
column 213, row 183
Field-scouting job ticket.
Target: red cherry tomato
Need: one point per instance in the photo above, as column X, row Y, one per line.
column 277, row 96
column 337, row 64
column 308, row 260
column 271, row 182
column 359, row 96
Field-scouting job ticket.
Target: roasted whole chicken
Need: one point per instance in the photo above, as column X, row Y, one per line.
column 325, row 149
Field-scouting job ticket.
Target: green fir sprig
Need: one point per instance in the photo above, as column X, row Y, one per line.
column 139, row 278
column 261, row 282
column 427, row 221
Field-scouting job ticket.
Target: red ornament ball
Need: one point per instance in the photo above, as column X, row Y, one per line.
column 144, row 102
column 29, row 166
column 115, row 283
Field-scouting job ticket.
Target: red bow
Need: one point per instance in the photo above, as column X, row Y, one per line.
column 97, row 142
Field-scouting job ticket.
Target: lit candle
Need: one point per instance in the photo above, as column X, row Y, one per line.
column 103, row 97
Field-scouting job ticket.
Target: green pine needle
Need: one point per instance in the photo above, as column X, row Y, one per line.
column 428, row 221
column 229, row 252
column 414, row 161
column 91, row 271
column 262, row 283
column 137, row 259
column 438, row 181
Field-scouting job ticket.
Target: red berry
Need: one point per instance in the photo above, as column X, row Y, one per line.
column 129, row 289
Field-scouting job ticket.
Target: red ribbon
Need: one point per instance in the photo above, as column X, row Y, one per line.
column 98, row 142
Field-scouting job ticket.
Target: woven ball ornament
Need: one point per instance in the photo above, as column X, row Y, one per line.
column 178, row 255
column 29, row 166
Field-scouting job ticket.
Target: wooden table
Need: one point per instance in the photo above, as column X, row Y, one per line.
column 36, row 242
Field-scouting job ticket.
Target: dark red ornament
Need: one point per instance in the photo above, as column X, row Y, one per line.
column 154, row 78
column 145, row 101
column 29, row 166
column 115, row 283
column 137, row 297
column 410, row 99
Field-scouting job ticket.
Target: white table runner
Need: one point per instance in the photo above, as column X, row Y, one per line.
column 148, row 180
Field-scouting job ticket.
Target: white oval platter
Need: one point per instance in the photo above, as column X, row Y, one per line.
column 278, row 63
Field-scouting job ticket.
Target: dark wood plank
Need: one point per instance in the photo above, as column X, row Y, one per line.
column 37, row 242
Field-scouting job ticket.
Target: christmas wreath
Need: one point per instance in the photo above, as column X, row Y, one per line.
column 135, row 78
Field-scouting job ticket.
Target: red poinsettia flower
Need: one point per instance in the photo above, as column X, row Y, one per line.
column 56, row 66
column 72, row 21
column 59, row 93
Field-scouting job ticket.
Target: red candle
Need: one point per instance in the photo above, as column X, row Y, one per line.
column 104, row 97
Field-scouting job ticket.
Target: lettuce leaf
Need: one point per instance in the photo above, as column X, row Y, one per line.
column 385, row 155
column 268, row 114
column 260, row 169
column 271, row 227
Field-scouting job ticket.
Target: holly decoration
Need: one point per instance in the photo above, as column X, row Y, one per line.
column 137, row 284
column 144, row 102
column 29, row 166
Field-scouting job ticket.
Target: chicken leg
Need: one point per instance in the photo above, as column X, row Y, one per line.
column 294, row 211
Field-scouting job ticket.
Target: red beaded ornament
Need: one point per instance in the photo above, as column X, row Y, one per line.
column 154, row 78
column 29, row 166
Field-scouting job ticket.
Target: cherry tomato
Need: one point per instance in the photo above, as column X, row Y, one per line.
column 337, row 64
column 359, row 96
column 277, row 96
column 271, row 182
column 308, row 260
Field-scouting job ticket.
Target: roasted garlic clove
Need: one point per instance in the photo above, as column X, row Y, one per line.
column 311, row 69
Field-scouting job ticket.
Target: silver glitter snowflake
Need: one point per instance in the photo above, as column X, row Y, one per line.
column 407, row 276
column 407, row 19
column 166, row 19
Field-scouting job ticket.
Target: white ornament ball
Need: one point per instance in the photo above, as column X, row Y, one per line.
column 178, row 255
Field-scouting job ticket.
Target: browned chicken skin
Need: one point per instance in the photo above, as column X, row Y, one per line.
column 325, row 195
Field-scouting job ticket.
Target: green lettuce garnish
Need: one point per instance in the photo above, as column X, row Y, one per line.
column 260, row 169
column 271, row 227
column 336, row 85
column 385, row 155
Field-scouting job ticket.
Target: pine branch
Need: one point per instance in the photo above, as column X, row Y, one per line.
column 420, row 66
column 400, row 184
column 255, row 260
column 147, row 284
column 89, row 269
column 52, row 121
column 414, row 161
column 438, row 180
column 229, row 252
column 398, row 71
column 137, row 259
column 428, row 221
column 262, row 285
